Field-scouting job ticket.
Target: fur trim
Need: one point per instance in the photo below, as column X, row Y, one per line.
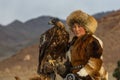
column 83, row 19
column 82, row 72
column 100, row 41
column 91, row 24
column 93, row 66
column 103, row 73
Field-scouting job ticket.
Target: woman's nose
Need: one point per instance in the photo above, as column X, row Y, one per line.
column 76, row 28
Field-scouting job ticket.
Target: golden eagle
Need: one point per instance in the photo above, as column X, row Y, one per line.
column 53, row 46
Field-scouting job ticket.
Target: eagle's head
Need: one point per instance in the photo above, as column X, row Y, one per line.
column 53, row 20
column 56, row 22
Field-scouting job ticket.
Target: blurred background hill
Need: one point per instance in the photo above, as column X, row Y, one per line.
column 19, row 44
column 18, row 35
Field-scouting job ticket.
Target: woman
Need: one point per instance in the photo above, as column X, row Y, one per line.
column 86, row 49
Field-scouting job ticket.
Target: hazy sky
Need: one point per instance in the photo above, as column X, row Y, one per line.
column 24, row 10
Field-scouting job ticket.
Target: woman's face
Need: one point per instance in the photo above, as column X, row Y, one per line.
column 78, row 30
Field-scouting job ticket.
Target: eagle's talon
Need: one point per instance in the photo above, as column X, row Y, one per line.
column 52, row 62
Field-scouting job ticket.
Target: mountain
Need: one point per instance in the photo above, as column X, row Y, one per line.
column 1, row 26
column 109, row 32
column 17, row 34
column 102, row 14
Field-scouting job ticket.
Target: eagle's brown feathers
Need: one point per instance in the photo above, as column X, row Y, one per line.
column 53, row 44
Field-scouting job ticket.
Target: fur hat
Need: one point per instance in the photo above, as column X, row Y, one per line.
column 83, row 19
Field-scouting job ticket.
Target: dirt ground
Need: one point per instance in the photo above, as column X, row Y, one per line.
column 27, row 74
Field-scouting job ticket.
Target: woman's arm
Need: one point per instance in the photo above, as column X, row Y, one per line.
column 94, row 50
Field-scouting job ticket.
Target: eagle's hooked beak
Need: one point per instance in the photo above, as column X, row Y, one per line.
column 50, row 22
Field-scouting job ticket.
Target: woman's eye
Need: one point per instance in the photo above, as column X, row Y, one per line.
column 73, row 26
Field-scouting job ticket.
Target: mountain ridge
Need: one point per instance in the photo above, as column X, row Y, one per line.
column 18, row 34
